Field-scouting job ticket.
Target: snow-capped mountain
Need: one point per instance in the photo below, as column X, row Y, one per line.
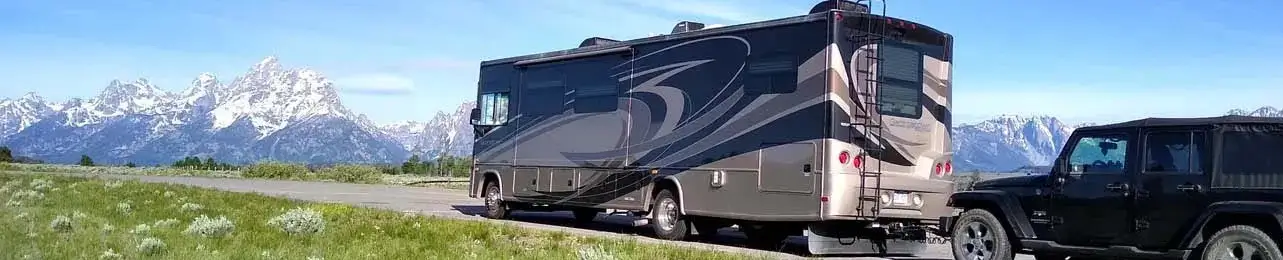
column 1267, row 111
column 448, row 133
column 1009, row 142
column 407, row 133
column 270, row 112
column 18, row 114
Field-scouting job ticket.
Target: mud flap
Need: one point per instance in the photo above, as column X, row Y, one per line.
column 827, row 238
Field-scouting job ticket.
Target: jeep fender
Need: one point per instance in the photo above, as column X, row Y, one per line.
column 1194, row 236
column 1010, row 208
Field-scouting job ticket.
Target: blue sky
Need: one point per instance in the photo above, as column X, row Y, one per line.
column 1089, row 60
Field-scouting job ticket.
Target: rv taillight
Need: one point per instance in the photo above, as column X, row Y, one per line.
column 843, row 157
column 857, row 161
column 938, row 168
column 948, row 167
column 824, row 198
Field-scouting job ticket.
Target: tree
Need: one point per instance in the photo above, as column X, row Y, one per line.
column 130, row 165
column 209, row 163
column 86, row 161
column 411, row 165
column 6, row 155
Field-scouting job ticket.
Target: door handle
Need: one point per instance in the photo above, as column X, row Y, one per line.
column 1117, row 187
column 1189, row 187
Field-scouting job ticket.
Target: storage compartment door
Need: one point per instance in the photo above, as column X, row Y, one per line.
column 787, row 167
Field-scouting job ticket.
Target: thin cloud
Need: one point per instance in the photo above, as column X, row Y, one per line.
column 376, row 84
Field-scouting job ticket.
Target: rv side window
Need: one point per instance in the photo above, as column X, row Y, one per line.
column 543, row 90
column 494, row 108
column 591, row 86
column 774, row 73
column 900, row 71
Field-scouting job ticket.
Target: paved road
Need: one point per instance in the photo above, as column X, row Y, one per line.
column 456, row 204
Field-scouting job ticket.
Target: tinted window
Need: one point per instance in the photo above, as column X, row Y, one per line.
column 901, row 74
column 772, row 73
column 543, row 90
column 1254, row 152
column 1174, row 152
column 1099, row 153
column 591, row 85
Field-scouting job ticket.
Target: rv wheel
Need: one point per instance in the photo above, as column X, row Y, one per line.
column 667, row 219
column 495, row 207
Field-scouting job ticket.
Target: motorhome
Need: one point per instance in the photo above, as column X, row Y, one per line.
column 834, row 125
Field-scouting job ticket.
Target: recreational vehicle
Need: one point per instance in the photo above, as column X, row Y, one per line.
column 834, row 125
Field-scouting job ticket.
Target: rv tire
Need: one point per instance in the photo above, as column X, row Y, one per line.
column 667, row 219
column 496, row 208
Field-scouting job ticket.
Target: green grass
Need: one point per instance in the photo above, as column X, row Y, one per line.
column 264, row 170
column 35, row 229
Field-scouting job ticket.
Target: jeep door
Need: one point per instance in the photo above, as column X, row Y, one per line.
column 1090, row 206
column 1171, row 185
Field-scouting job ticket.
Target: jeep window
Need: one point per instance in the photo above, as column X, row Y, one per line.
column 1249, row 159
column 1174, row 152
column 1251, row 152
column 1099, row 153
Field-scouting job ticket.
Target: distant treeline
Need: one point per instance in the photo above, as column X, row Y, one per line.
column 441, row 166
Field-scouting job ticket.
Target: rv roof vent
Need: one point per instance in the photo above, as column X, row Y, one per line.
column 595, row 41
column 845, row 5
column 686, row 26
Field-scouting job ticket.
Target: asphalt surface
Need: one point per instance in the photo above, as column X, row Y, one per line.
column 456, row 204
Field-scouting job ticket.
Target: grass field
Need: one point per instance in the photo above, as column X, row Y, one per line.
column 279, row 171
column 58, row 217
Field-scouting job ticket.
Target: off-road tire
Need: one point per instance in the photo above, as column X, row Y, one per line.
column 1237, row 237
column 978, row 229
column 496, row 208
column 667, row 208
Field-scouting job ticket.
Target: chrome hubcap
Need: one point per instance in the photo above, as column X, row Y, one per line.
column 1240, row 250
column 977, row 241
column 666, row 214
column 492, row 199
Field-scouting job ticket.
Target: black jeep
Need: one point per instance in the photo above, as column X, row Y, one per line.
column 1157, row 188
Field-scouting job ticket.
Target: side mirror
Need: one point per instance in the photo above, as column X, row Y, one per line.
column 475, row 116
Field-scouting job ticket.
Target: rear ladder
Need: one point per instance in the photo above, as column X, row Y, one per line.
column 868, row 122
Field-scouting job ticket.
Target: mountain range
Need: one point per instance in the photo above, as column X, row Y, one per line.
column 1018, row 143
column 295, row 114
column 268, row 113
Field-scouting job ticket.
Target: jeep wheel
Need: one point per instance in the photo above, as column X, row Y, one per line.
column 979, row 235
column 495, row 207
column 1241, row 242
